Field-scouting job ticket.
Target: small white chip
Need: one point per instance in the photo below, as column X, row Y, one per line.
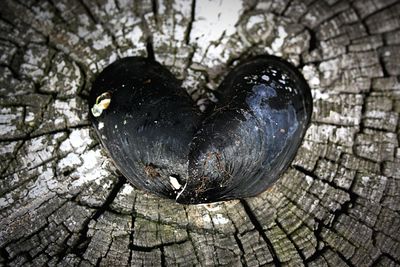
column 174, row 182
column 265, row 78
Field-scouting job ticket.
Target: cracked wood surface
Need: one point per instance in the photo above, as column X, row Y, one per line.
column 63, row 203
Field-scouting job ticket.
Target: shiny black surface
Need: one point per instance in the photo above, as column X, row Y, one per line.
column 153, row 131
column 148, row 125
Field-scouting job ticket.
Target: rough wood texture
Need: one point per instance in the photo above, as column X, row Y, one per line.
column 63, row 203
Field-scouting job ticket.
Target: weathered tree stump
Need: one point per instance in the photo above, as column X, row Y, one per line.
column 63, row 203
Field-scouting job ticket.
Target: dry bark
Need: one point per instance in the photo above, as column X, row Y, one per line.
column 63, row 203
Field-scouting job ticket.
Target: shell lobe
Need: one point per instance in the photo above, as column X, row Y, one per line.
column 266, row 109
column 149, row 124
column 154, row 132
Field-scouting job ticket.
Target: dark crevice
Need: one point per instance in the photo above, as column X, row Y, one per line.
column 20, row 22
column 154, row 7
column 58, row 13
column 237, row 239
column 343, row 258
column 88, row 12
column 345, row 207
column 4, row 254
column 160, row 246
column 47, row 68
column 100, row 22
column 34, row 233
column 370, row 127
column 362, row 127
column 387, row 256
column 24, row 113
column 105, row 255
column 375, row 12
column 117, row 5
column 28, row 137
column 375, row 232
column 260, row 230
column 320, row 247
column 31, row 259
column 330, row 183
column 162, row 260
column 6, row 20
column 240, row 246
column 190, row 25
column 142, row 248
column 150, row 49
column 318, row 253
column 10, row 42
column 303, row 14
column 83, row 241
column 11, row 159
column 313, row 43
column 298, row 250
column 132, row 233
column 249, row 8
column 30, row 133
column 98, row 261
column 322, row 251
column 137, row 8
column 28, row 8
column 16, row 62
column 85, row 82
column 149, row 39
column 285, row 8
column 110, row 198
column 383, row 67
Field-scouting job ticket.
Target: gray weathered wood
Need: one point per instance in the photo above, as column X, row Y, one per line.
column 63, row 203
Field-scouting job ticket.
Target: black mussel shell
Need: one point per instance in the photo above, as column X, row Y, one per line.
column 159, row 141
column 148, row 125
column 253, row 135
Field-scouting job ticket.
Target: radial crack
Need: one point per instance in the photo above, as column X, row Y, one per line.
column 131, row 234
column 298, row 250
column 154, row 6
column 260, row 230
column 192, row 18
column 83, row 241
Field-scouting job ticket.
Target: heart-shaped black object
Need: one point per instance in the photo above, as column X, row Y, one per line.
column 161, row 143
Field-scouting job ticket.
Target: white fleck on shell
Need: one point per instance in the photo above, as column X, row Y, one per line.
column 96, row 110
column 265, row 78
column 174, row 182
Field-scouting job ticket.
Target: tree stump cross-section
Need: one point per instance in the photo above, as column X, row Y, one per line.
column 63, row 203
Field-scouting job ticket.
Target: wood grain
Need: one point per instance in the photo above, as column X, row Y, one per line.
column 62, row 202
